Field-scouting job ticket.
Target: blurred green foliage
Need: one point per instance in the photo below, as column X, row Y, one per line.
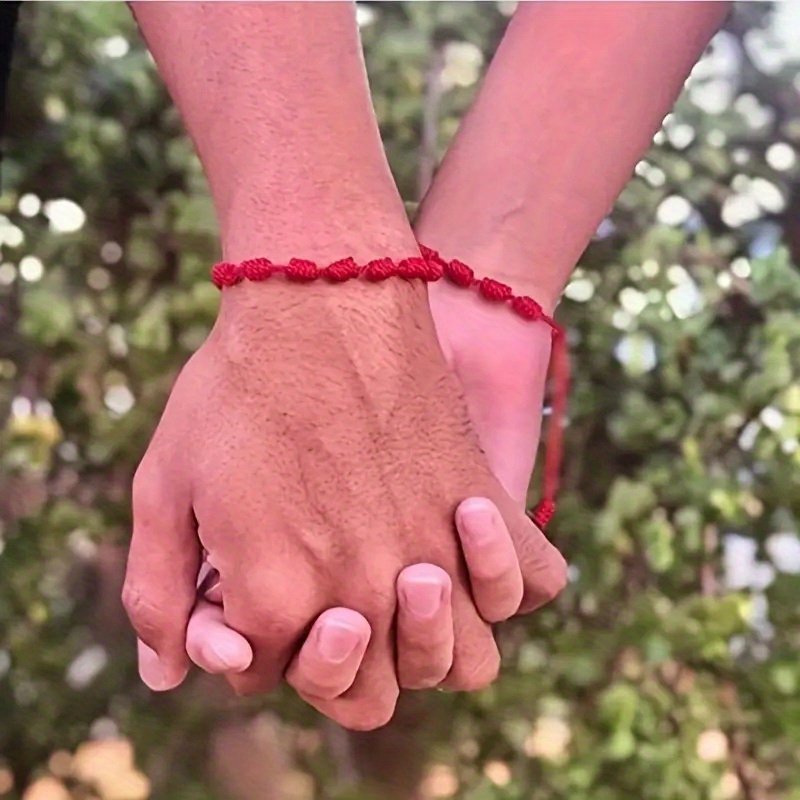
column 668, row 670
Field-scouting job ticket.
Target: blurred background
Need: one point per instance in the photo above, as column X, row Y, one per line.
column 670, row 666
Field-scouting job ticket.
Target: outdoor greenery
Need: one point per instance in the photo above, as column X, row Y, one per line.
column 668, row 670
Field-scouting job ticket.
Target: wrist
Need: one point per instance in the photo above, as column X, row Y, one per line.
column 494, row 255
column 487, row 339
column 322, row 216
column 269, row 319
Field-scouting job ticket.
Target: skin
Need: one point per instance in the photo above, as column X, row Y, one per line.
column 612, row 68
column 424, row 617
column 290, row 449
column 425, row 641
column 511, row 194
column 288, row 534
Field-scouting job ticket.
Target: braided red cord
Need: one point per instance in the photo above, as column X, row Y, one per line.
column 432, row 267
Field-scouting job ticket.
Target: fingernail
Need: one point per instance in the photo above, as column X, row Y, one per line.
column 214, row 593
column 479, row 524
column 336, row 641
column 228, row 654
column 422, row 598
column 151, row 671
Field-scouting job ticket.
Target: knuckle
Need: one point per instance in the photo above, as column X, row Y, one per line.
column 502, row 610
column 560, row 576
column 425, row 675
column 419, row 639
column 493, row 567
column 141, row 487
column 314, row 689
column 311, row 682
column 256, row 603
column 131, row 601
column 476, row 674
column 504, row 601
column 416, row 640
column 271, row 623
column 147, row 618
column 368, row 717
column 546, row 583
column 250, row 683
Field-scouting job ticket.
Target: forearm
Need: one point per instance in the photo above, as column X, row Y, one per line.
column 569, row 105
column 275, row 98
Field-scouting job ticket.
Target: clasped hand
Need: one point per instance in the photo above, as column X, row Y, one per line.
column 317, row 447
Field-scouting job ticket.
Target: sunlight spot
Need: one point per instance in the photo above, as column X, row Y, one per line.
column 114, row 47
column 650, row 268
column 29, row 205
column 463, row 62
column 712, row 745
column 781, row 156
column 580, row 290
column 674, row 210
column 119, row 400
column 739, row 209
column 767, row 195
column 31, row 269
column 65, row 215
column 740, row 267
column 8, row 273
column 86, row 666
column 637, row 353
column 632, row 300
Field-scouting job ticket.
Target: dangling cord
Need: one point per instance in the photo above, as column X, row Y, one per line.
column 492, row 290
column 554, row 443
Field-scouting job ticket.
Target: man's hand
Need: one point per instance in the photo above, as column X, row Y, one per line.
column 503, row 367
column 329, row 659
column 322, row 444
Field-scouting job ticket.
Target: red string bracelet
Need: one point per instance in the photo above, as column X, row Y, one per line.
column 430, row 266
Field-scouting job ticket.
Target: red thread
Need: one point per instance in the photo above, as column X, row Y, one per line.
column 301, row 271
column 432, row 267
column 459, row 273
column 554, row 444
column 342, row 270
column 410, row 268
column 257, row 269
column 527, row 308
column 380, row 269
column 494, row 290
column 225, row 274
column 543, row 513
column 432, row 257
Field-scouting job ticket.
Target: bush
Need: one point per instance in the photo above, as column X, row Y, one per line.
column 668, row 669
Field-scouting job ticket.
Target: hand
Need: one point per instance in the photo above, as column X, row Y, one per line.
column 424, row 619
column 472, row 335
column 291, row 534
column 501, row 362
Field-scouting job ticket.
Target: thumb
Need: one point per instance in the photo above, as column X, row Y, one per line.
column 212, row 645
column 160, row 582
